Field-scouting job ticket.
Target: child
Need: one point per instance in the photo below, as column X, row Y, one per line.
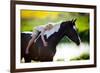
column 41, row 30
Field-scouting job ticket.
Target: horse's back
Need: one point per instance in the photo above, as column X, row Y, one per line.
column 37, row 51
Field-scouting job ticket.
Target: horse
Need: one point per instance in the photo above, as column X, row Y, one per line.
column 38, row 52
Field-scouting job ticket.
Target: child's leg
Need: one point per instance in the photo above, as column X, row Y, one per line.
column 30, row 43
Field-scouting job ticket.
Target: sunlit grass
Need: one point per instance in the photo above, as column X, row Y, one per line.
column 83, row 56
column 69, row 52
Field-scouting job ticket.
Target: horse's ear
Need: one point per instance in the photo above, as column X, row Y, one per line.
column 74, row 20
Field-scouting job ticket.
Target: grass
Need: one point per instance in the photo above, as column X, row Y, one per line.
column 84, row 56
column 60, row 60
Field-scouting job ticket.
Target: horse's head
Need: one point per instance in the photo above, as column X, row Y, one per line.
column 70, row 31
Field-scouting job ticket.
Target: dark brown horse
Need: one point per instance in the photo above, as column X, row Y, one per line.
column 38, row 52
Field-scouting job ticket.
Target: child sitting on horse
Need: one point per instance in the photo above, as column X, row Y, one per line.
column 40, row 30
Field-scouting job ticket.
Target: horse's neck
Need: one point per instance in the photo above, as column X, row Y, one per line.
column 58, row 36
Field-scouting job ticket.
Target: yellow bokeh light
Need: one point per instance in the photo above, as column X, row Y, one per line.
column 38, row 14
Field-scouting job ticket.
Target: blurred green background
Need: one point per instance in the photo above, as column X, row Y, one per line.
column 32, row 18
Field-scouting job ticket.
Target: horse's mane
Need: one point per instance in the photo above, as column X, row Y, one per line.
column 56, row 27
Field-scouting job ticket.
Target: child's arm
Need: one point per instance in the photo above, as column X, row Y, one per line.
column 42, row 37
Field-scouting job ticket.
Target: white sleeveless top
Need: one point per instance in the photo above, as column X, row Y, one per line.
column 40, row 28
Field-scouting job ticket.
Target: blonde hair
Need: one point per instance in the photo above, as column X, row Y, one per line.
column 49, row 26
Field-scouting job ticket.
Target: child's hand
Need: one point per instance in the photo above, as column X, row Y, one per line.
column 45, row 44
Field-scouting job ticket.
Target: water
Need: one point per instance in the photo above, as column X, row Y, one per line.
column 67, row 51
